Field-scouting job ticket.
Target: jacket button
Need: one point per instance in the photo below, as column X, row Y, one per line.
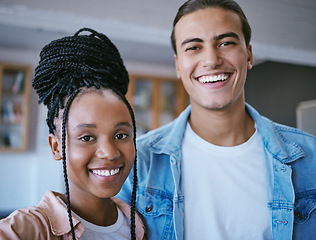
column 298, row 214
column 149, row 208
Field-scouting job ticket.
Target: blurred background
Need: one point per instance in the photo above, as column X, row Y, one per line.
column 281, row 85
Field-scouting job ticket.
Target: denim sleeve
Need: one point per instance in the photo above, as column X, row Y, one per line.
column 126, row 191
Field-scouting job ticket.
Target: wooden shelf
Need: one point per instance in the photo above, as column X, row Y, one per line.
column 14, row 105
column 155, row 100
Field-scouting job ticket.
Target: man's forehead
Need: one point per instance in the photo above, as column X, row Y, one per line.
column 216, row 21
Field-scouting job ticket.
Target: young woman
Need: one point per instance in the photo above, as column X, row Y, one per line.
column 82, row 80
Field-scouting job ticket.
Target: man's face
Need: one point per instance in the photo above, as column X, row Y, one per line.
column 212, row 57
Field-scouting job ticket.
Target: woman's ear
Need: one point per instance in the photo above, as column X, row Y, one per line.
column 55, row 146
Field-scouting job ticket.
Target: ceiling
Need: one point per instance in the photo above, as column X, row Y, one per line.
column 283, row 30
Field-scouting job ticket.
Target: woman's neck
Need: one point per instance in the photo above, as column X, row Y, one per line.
column 99, row 211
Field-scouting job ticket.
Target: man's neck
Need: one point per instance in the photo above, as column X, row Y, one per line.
column 229, row 127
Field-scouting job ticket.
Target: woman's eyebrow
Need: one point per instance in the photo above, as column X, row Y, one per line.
column 127, row 124
column 85, row 125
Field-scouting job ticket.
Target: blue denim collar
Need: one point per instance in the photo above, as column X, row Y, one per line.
column 273, row 136
column 282, row 148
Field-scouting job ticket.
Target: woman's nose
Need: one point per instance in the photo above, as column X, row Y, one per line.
column 108, row 151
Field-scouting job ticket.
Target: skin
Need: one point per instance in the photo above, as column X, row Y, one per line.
column 99, row 137
column 210, row 42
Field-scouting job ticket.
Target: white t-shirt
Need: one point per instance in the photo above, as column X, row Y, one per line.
column 120, row 230
column 225, row 191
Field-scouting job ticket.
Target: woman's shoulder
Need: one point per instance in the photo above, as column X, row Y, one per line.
column 34, row 213
column 24, row 222
column 38, row 220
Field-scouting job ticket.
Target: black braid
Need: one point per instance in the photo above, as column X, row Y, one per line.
column 133, row 200
column 74, row 62
column 66, row 66
column 64, row 124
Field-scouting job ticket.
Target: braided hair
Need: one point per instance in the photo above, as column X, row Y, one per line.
column 66, row 66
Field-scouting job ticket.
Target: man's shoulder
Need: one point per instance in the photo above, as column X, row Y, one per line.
column 286, row 143
column 289, row 143
column 172, row 131
column 156, row 133
column 296, row 134
column 286, row 133
column 155, row 140
column 298, row 138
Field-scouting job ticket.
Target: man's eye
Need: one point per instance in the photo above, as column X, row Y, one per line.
column 87, row 138
column 121, row 136
column 227, row 44
column 192, row 48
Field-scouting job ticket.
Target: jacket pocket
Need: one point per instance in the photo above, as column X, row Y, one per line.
column 305, row 206
column 153, row 202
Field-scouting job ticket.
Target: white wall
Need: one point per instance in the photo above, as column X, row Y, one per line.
column 25, row 177
column 306, row 115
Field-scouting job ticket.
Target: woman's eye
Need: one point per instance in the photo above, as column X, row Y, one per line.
column 121, row 136
column 87, row 138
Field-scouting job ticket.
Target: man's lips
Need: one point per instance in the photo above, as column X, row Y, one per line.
column 213, row 78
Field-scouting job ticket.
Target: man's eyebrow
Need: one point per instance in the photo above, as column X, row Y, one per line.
column 191, row 40
column 216, row 38
column 225, row 35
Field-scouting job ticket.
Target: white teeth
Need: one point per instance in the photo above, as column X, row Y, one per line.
column 106, row 173
column 210, row 79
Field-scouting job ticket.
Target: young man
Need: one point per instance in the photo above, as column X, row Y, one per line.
column 220, row 170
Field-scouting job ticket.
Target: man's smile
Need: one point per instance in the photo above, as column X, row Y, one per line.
column 213, row 78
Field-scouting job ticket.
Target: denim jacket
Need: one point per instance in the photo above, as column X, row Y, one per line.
column 291, row 173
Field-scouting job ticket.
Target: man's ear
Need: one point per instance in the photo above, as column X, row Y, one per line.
column 250, row 57
column 55, row 146
column 176, row 64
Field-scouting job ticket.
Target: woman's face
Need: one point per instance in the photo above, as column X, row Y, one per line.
column 100, row 149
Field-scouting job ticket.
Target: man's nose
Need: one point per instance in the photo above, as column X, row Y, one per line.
column 211, row 58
